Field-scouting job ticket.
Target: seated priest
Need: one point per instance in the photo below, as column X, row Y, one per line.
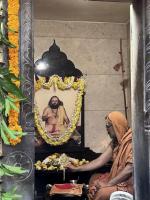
column 120, row 151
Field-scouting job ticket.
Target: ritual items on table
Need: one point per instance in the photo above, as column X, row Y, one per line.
column 67, row 189
column 58, row 162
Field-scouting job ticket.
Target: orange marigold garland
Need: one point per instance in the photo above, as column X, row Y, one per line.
column 13, row 23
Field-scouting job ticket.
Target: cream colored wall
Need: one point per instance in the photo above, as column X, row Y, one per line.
column 93, row 48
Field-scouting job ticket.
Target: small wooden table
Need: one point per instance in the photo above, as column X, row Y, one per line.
column 67, row 196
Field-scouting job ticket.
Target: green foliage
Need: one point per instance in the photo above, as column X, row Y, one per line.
column 11, row 195
column 7, row 103
column 3, row 39
column 7, row 85
column 9, row 95
column 9, row 92
column 9, row 170
column 5, row 132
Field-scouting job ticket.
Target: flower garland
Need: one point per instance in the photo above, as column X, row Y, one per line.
column 13, row 24
column 68, row 83
column 59, row 83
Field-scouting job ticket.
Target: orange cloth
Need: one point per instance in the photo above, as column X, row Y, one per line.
column 56, row 122
column 122, row 155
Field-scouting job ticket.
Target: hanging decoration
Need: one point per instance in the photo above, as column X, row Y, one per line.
column 10, row 93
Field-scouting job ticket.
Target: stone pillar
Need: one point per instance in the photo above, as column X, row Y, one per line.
column 146, row 4
column 27, row 65
column 140, row 95
column 23, row 154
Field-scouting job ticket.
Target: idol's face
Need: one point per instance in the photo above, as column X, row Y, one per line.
column 54, row 103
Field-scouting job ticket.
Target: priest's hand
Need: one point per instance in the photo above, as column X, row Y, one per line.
column 72, row 168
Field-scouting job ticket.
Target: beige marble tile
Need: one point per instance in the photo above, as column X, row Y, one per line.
column 40, row 46
column 96, row 136
column 91, row 56
column 93, row 48
column 104, row 92
column 95, row 133
column 76, row 29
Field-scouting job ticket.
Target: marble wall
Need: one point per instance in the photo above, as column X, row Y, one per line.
column 93, row 47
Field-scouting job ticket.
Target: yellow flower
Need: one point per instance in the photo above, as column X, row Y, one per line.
column 14, row 40
column 78, row 85
column 13, row 23
column 13, row 7
column 15, row 141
